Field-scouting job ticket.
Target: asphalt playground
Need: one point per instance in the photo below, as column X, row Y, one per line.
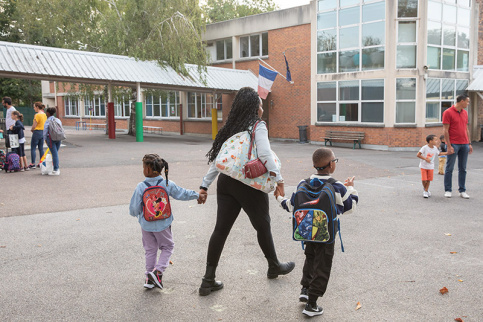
column 69, row 251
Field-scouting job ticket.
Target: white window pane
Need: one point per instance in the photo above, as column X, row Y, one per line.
column 405, row 112
column 434, row 11
column 326, row 63
column 372, row 89
column 373, row 34
column 463, row 38
column 327, row 20
column 433, row 90
column 254, row 45
column 406, row 57
column 449, row 35
column 434, row 33
column 407, row 8
column 462, row 62
column 463, row 17
column 448, row 59
column 345, row 3
column 406, row 88
column 349, row 37
column 465, row 3
column 432, row 112
column 434, row 58
column 349, row 16
column 327, row 40
column 349, row 90
column 373, row 58
column 447, row 89
column 327, row 4
column 244, row 47
column 449, row 14
column 326, row 112
column 373, row 11
column 349, row 61
column 372, row 112
column 326, row 91
column 407, row 31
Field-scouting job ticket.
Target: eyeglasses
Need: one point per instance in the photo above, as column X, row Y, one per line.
column 322, row 168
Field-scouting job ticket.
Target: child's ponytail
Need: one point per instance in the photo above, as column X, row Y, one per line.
column 166, row 169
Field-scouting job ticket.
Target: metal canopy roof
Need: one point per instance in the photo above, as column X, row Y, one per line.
column 477, row 83
column 56, row 64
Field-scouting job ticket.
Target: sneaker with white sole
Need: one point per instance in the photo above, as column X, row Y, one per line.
column 464, row 195
column 156, row 277
column 310, row 310
column 447, row 194
column 425, row 194
column 304, row 294
column 429, row 193
column 54, row 173
column 148, row 284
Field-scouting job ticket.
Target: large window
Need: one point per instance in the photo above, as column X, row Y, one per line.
column 201, row 104
column 71, row 106
column 122, row 107
column 405, row 100
column 351, row 101
column 224, row 49
column 95, row 106
column 254, row 45
column 163, row 104
column 448, row 35
column 350, row 35
column 440, row 95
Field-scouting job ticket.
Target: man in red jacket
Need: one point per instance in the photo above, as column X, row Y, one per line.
column 457, row 134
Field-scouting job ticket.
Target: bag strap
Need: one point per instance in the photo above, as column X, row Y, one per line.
column 252, row 139
column 149, row 185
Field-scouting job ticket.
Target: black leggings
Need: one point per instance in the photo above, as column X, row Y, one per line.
column 232, row 196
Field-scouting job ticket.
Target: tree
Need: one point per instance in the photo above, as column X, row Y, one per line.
column 221, row 10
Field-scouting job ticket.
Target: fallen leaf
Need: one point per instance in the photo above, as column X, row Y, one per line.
column 2, row 204
column 444, row 290
column 448, row 234
column 458, row 319
column 3, row 246
column 171, row 262
column 358, row 306
column 453, row 252
column 78, row 219
column 460, row 280
column 39, row 245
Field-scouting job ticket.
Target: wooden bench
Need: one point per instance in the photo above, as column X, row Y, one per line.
column 153, row 129
column 354, row 136
column 98, row 126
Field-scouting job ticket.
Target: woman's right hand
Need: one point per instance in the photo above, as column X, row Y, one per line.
column 279, row 190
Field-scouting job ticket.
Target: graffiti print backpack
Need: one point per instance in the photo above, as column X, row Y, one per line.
column 156, row 204
column 3, row 159
column 56, row 131
column 13, row 162
column 315, row 213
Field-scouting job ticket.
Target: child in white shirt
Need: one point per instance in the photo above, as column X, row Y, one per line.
column 427, row 154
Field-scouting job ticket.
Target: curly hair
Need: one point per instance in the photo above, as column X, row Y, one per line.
column 243, row 114
column 156, row 163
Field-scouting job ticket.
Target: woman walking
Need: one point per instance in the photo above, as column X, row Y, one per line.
column 54, row 146
column 233, row 195
column 37, row 133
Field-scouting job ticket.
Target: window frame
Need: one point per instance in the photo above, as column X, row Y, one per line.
column 68, row 106
column 260, row 42
column 415, row 43
column 225, row 51
column 440, row 100
column 206, row 105
column 97, row 104
column 166, row 105
column 120, row 106
column 359, row 102
column 406, row 100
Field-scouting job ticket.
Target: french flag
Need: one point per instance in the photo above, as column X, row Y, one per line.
column 266, row 77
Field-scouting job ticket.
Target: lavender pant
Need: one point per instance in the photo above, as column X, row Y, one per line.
column 152, row 241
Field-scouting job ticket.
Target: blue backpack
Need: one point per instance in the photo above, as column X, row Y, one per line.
column 314, row 216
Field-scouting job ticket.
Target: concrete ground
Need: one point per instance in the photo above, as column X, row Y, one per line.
column 70, row 251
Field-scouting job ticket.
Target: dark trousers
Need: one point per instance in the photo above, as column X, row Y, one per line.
column 317, row 266
column 233, row 196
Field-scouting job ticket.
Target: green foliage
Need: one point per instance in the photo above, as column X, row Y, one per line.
column 221, row 10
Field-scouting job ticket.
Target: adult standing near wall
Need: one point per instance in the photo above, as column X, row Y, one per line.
column 457, row 135
column 37, row 133
column 54, row 146
column 7, row 103
column 233, row 195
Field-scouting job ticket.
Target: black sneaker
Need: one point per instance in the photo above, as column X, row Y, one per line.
column 31, row 166
column 312, row 310
column 148, row 283
column 304, row 294
column 156, row 277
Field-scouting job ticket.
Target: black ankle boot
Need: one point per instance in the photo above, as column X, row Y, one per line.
column 208, row 283
column 276, row 268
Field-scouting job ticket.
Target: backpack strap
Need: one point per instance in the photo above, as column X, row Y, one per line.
column 149, row 185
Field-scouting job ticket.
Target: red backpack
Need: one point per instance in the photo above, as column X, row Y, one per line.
column 156, row 204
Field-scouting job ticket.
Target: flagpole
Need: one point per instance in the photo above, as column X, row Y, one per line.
column 273, row 69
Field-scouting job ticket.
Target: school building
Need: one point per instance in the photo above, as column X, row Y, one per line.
column 385, row 68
